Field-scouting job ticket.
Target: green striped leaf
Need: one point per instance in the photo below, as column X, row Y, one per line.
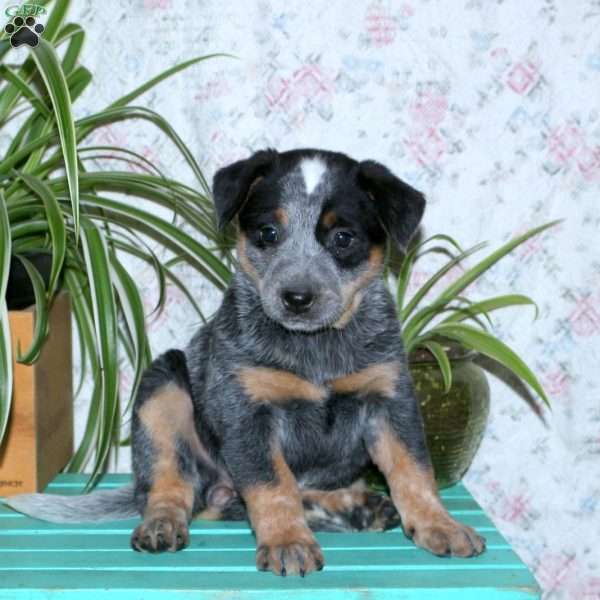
column 487, row 344
column 485, row 306
column 77, row 82
column 56, row 225
column 469, row 276
column 76, row 281
column 106, row 333
column 6, row 370
column 26, row 90
column 133, row 311
column 408, row 263
column 56, row 84
column 442, row 359
column 86, row 125
column 437, row 276
column 114, row 152
column 40, row 330
column 127, row 98
column 10, row 95
column 133, row 244
column 217, row 272
column 76, row 36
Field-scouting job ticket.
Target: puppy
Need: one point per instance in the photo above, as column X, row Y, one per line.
column 298, row 383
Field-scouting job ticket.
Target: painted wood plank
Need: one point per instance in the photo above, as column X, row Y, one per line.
column 13, row 526
column 67, row 562
column 349, row 584
column 243, row 558
column 331, row 594
column 395, row 540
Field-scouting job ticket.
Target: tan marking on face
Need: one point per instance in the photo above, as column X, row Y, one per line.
column 412, row 486
column 277, row 387
column 329, row 219
column 282, row 217
column 275, row 509
column 349, row 311
column 243, row 259
column 352, row 291
column 376, row 379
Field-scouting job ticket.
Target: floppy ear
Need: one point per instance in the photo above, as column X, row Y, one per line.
column 400, row 207
column 232, row 184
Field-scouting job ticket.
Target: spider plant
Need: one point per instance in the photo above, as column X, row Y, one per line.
column 428, row 323
column 60, row 196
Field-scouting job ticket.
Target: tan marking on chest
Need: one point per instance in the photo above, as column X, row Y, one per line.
column 376, row 379
column 278, row 387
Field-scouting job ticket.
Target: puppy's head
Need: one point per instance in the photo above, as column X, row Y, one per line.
column 312, row 229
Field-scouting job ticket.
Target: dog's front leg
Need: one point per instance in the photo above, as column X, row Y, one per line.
column 396, row 444
column 285, row 544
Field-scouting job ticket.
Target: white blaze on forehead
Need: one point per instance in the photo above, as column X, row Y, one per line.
column 312, row 171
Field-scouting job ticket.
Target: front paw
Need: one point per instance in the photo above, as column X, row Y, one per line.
column 290, row 558
column 160, row 533
column 446, row 537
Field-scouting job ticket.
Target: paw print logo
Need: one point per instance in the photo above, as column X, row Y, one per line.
column 24, row 31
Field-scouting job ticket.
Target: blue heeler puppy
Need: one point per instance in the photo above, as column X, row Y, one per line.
column 298, row 383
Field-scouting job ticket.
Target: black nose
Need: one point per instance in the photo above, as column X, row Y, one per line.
column 297, row 301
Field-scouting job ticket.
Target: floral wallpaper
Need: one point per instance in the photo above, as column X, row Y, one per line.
column 490, row 107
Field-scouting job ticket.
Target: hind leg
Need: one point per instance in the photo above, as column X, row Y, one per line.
column 355, row 508
column 173, row 471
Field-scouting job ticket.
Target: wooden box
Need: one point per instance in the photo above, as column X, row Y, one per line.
column 39, row 436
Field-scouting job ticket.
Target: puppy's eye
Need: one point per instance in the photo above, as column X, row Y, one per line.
column 268, row 235
column 342, row 239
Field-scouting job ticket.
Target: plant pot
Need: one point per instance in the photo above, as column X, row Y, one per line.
column 19, row 291
column 39, row 436
column 454, row 421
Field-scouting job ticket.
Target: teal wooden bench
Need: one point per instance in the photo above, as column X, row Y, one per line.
column 94, row 562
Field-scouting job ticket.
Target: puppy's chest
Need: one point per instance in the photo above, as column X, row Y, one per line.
column 288, row 390
column 328, row 419
column 331, row 427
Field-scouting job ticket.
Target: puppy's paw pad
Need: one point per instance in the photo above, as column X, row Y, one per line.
column 293, row 558
column 160, row 534
column 448, row 538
